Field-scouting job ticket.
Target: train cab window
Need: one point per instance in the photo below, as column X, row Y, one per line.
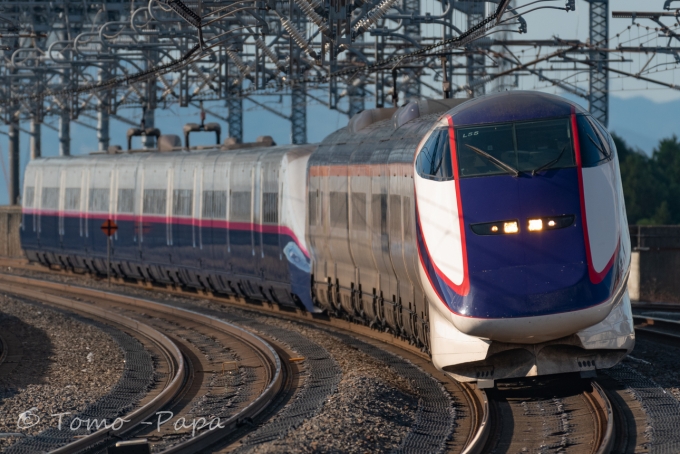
column 514, row 147
column 495, row 140
column 604, row 136
column 594, row 151
column 434, row 159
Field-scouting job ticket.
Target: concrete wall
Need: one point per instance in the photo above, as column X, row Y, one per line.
column 655, row 264
column 10, row 223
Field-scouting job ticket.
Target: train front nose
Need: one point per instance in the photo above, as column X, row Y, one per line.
column 525, row 246
column 529, row 250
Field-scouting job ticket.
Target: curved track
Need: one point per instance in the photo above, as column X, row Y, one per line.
column 472, row 421
column 184, row 367
column 551, row 414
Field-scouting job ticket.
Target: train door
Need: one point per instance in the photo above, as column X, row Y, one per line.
column 215, row 209
column 400, row 200
column 49, row 210
column 315, row 231
column 154, row 229
column 380, row 233
column 98, row 211
column 72, row 220
column 29, row 216
column 367, row 279
column 125, row 239
column 241, row 241
column 186, row 246
column 270, row 217
column 344, row 275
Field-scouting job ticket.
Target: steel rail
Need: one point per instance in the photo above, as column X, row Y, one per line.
column 480, row 409
column 168, row 347
column 477, row 400
column 267, row 353
column 658, row 325
column 604, row 415
column 3, row 350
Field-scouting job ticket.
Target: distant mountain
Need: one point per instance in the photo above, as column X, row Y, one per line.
column 642, row 123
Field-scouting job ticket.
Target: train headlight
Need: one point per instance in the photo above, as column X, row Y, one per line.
column 510, row 227
column 536, row 224
column 496, row 228
column 550, row 223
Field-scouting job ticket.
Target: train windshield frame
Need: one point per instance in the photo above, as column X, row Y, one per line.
column 514, row 147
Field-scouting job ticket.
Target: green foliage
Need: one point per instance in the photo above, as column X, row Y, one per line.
column 651, row 184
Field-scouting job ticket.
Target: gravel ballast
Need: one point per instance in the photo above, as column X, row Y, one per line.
column 371, row 409
column 65, row 365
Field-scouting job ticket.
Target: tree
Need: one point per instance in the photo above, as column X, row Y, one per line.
column 651, row 184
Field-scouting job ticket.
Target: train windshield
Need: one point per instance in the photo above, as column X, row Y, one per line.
column 514, row 147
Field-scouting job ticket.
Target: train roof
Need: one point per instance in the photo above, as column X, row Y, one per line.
column 207, row 154
column 512, row 106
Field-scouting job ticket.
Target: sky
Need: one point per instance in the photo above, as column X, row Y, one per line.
column 639, row 112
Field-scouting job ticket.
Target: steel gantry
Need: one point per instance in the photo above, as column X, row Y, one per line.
column 67, row 61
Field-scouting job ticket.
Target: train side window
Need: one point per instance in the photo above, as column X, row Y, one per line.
column 270, row 207
column 593, row 151
column 50, row 198
column 407, row 218
column 29, row 197
column 182, row 202
column 395, row 217
column 339, row 212
column 72, row 199
column 313, row 207
column 240, row 206
column 359, row 211
column 154, row 201
column 434, row 159
column 126, row 201
column 215, row 205
column 99, row 200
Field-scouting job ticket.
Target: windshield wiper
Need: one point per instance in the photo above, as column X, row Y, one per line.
column 497, row 162
column 598, row 146
column 550, row 163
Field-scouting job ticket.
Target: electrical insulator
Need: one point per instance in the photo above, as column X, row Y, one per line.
column 259, row 42
column 245, row 70
column 309, row 11
column 316, row 4
column 297, row 37
column 373, row 16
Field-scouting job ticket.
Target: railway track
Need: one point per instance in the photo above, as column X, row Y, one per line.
column 491, row 419
column 185, row 368
column 664, row 325
column 551, row 414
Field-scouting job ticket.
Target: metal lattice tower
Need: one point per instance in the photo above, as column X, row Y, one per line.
column 235, row 117
column 475, row 61
column 599, row 75
column 411, row 77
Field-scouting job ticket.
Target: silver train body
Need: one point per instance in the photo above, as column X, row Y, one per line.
column 352, row 227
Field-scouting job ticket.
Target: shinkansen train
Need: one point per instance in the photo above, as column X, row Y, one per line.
column 490, row 232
